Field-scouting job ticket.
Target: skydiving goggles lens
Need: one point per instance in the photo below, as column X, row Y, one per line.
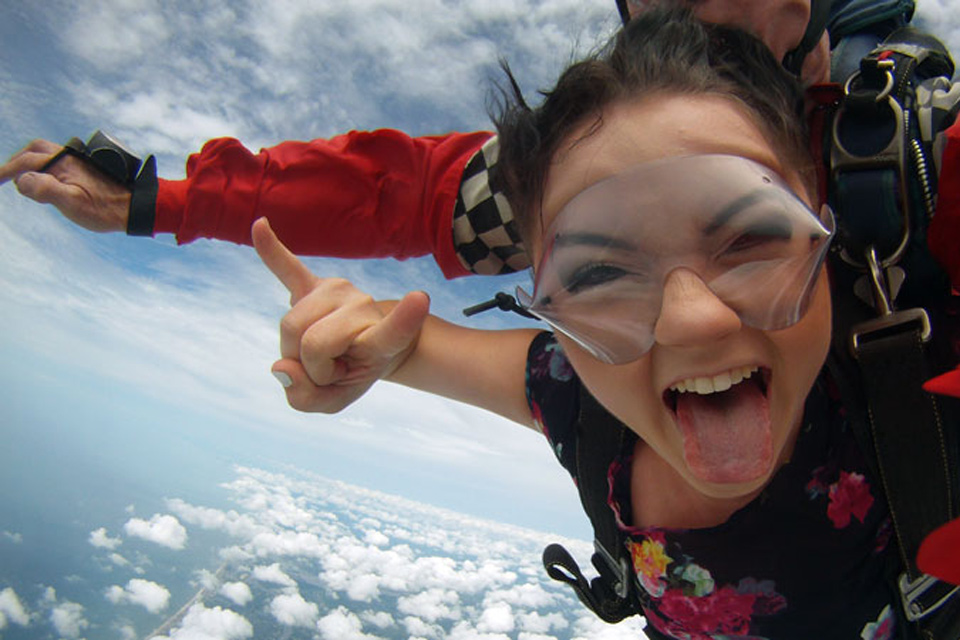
column 732, row 221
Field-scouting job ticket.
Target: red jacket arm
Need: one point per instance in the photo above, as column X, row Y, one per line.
column 943, row 235
column 358, row 195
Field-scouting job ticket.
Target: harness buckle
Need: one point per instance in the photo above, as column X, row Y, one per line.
column 911, row 591
column 889, row 318
column 620, row 570
column 891, row 157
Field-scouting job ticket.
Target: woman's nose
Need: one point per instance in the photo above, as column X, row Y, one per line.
column 691, row 313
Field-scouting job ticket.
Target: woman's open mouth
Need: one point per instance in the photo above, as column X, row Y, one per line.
column 725, row 424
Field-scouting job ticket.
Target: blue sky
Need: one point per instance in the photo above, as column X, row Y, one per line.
column 143, row 367
column 189, row 333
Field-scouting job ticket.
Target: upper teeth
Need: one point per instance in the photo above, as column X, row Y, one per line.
column 719, row 382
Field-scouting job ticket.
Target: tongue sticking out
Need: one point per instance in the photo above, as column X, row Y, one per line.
column 726, row 436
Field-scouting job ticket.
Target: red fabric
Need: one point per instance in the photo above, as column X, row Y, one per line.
column 358, row 195
column 822, row 101
column 939, row 554
column 947, row 384
column 943, row 236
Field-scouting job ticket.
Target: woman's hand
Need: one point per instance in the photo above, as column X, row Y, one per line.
column 81, row 193
column 335, row 341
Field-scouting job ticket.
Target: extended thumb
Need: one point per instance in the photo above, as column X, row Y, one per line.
column 402, row 325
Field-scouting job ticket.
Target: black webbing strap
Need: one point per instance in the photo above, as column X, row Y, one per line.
column 892, row 367
column 143, row 200
column 910, row 442
column 611, row 596
column 624, row 11
column 819, row 16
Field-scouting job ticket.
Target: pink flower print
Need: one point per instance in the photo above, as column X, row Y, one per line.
column 769, row 601
column 724, row 611
column 882, row 629
column 650, row 562
column 537, row 414
column 849, row 496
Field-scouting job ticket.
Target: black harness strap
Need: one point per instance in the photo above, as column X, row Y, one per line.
column 613, row 595
column 908, row 435
column 819, row 16
column 874, row 145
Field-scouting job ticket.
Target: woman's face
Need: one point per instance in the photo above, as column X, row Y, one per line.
column 724, row 443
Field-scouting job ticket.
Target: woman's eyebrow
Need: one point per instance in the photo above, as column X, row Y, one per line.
column 592, row 240
column 743, row 202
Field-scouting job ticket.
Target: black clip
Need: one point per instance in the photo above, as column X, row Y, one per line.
column 105, row 154
column 502, row 301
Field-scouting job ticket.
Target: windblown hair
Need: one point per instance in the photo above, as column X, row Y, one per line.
column 662, row 51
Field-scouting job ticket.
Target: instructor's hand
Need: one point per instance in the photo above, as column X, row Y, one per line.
column 335, row 341
column 80, row 192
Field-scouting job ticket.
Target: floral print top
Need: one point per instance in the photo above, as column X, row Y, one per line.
column 806, row 559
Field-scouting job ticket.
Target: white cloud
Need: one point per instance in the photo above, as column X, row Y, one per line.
column 497, row 618
column 535, row 622
column 110, row 33
column 274, row 574
column 526, row 595
column 288, row 543
column 589, row 627
column 68, row 619
column 11, row 609
column 119, row 560
column 100, row 539
column 164, row 530
column 14, row 537
column 127, row 632
column 341, row 624
column 376, row 538
column 417, row 628
column 237, row 592
column 201, row 623
column 292, row 610
column 208, row 580
column 431, row 605
column 151, row 596
column 229, row 522
column 379, row 619
column 364, row 588
column 942, row 19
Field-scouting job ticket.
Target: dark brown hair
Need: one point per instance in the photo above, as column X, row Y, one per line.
column 663, row 50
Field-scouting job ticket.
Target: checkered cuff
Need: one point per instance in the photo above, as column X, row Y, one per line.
column 484, row 232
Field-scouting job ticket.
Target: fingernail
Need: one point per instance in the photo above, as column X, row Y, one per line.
column 285, row 380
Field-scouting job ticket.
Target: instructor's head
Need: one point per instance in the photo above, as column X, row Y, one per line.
column 780, row 24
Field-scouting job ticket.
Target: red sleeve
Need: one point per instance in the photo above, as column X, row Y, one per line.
column 943, row 236
column 359, row 195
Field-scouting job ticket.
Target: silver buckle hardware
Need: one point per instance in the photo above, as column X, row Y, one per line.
column 893, row 156
column 621, row 569
column 912, row 590
column 883, row 303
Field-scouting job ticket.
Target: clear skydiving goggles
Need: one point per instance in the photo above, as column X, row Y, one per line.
column 732, row 221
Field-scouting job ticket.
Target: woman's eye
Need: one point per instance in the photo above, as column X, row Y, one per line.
column 749, row 241
column 592, row 275
column 762, row 241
